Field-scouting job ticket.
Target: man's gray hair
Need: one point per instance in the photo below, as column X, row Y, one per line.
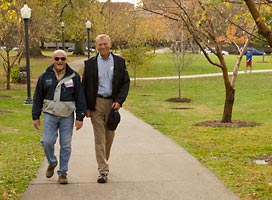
column 103, row 36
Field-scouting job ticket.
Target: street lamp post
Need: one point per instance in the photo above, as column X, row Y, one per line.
column 88, row 27
column 26, row 14
column 62, row 34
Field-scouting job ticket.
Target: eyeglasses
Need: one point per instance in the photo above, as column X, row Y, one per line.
column 60, row 58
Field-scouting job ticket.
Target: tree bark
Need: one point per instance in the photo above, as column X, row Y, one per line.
column 79, row 48
column 262, row 27
column 8, row 78
column 35, row 51
column 135, row 75
column 229, row 101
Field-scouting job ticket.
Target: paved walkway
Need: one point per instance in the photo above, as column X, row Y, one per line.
column 144, row 165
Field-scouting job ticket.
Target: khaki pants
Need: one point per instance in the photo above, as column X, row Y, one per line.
column 103, row 137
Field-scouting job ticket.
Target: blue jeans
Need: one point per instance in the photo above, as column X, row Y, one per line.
column 54, row 126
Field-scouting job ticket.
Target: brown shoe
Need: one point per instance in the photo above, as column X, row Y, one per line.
column 63, row 179
column 50, row 170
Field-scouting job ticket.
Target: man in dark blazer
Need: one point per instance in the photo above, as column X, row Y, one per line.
column 106, row 83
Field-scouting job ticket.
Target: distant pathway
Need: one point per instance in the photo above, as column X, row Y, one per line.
column 200, row 75
column 78, row 64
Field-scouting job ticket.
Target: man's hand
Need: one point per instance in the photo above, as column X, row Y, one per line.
column 88, row 113
column 37, row 124
column 78, row 124
column 116, row 105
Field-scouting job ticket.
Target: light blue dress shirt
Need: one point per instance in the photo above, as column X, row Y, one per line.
column 105, row 75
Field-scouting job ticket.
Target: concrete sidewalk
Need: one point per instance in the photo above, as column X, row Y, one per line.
column 144, row 165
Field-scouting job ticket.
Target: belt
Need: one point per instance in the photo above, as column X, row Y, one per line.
column 101, row 96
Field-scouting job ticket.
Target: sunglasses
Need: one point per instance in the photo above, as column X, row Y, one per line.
column 59, row 58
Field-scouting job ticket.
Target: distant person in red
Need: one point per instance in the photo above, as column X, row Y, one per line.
column 248, row 61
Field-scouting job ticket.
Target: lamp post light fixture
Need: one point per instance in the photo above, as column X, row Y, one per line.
column 62, row 34
column 88, row 27
column 26, row 14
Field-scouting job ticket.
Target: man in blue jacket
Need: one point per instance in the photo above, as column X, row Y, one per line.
column 58, row 94
column 106, row 84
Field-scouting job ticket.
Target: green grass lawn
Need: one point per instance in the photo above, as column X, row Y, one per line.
column 227, row 152
column 20, row 150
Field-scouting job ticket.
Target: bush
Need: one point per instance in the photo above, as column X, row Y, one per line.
column 18, row 75
column 15, row 75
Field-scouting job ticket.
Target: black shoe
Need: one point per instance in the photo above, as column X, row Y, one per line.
column 102, row 178
column 50, row 170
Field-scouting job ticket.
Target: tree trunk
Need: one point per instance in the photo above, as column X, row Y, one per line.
column 35, row 51
column 135, row 76
column 154, row 45
column 229, row 101
column 79, row 48
column 179, row 85
column 8, row 78
column 262, row 27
